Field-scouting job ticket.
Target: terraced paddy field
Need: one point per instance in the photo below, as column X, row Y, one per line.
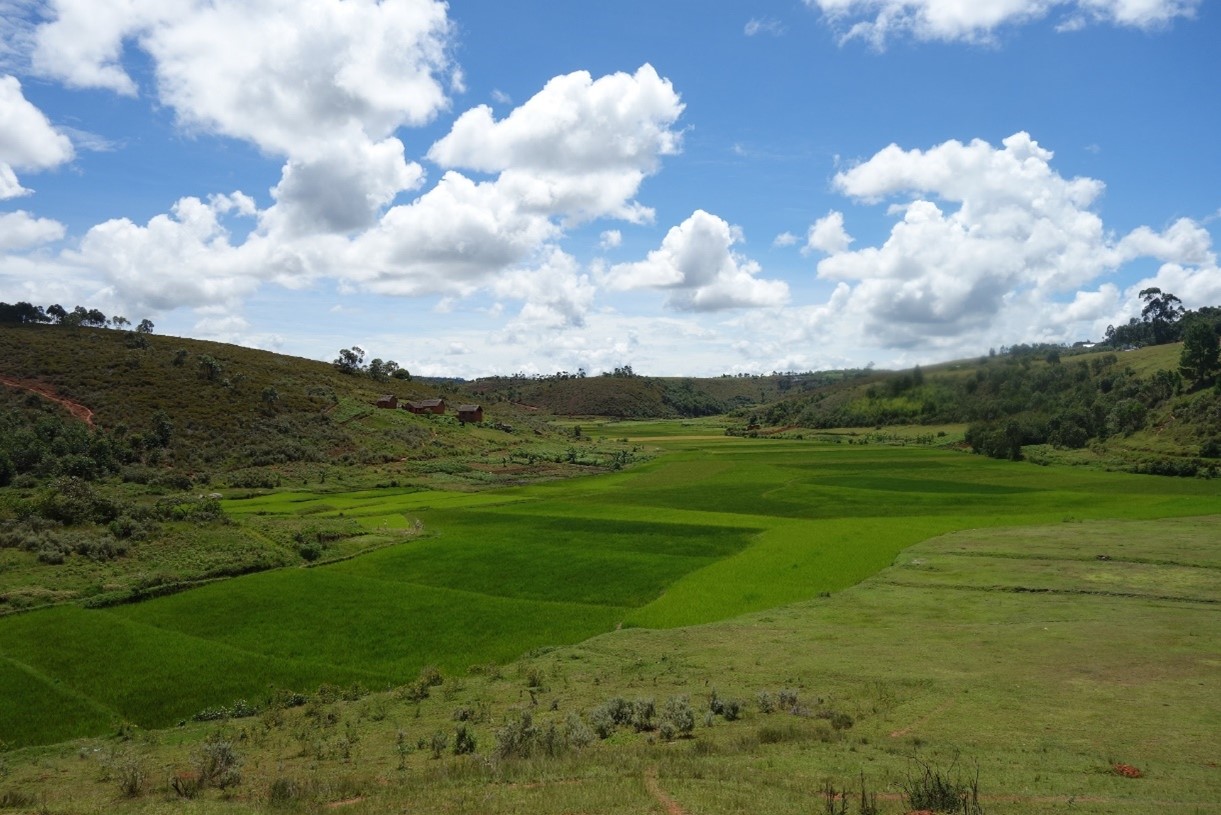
column 713, row 528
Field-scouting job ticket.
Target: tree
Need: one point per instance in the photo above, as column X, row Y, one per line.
column 119, row 322
column 145, row 326
column 57, row 313
column 95, row 318
column 350, row 360
column 381, row 371
column 210, row 368
column 22, row 313
column 1162, row 310
column 1201, row 357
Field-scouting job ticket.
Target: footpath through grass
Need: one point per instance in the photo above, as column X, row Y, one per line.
column 714, row 528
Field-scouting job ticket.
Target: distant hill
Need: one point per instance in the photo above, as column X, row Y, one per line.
column 202, row 408
column 1131, row 406
column 626, row 395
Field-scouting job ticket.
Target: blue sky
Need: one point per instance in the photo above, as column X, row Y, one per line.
column 688, row 187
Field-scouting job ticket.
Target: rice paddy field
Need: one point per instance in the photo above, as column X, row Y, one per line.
column 711, row 529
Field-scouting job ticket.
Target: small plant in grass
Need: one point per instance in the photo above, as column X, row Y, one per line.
column 729, row 709
column 402, row 748
column 216, row 763
column 439, row 743
column 576, row 732
column 1126, row 770
column 186, row 784
column 765, row 702
column 283, row 792
column 131, row 774
column 518, row 738
column 835, row 802
column 464, row 741
column 937, row 790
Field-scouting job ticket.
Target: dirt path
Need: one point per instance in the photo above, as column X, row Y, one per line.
column 939, row 711
column 75, row 408
column 669, row 804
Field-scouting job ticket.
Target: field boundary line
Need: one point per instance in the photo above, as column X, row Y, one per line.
column 1119, row 595
column 69, row 690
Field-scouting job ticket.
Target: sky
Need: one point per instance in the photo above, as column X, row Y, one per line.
column 688, row 187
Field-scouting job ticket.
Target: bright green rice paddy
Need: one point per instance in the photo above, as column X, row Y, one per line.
column 713, row 528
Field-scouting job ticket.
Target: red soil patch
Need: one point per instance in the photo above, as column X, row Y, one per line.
column 1127, row 770
column 75, row 408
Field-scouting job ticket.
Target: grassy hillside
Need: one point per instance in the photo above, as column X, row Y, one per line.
column 113, row 443
column 1130, row 409
column 630, row 396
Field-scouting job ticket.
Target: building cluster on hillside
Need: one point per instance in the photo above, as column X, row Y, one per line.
column 466, row 413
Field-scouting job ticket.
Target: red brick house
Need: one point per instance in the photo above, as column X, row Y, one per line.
column 421, row 406
column 389, row 401
column 470, row 413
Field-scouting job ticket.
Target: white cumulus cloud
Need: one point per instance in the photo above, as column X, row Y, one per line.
column 287, row 75
column 697, row 264
column 27, row 139
column 992, row 244
column 827, row 235
column 580, row 147
column 556, row 293
column 21, row 230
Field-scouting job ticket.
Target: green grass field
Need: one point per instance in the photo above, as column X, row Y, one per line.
column 1035, row 659
column 714, row 528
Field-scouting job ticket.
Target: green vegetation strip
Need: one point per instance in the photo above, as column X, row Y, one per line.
column 707, row 531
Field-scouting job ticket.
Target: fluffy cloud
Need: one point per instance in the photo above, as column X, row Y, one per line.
column 27, row 139
column 579, row 148
column 20, row 230
column 556, row 294
column 992, row 245
column 185, row 258
column 452, row 239
column 287, row 75
column 343, row 190
column 697, row 264
column 827, row 235
column 877, row 21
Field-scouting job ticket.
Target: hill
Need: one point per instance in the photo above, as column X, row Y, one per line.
column 115, row 446
column 1128, row 409
column 623, row 394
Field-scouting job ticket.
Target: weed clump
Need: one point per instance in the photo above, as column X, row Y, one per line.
column 936, row 790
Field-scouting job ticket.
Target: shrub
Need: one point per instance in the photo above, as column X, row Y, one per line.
column 464, row 741
column 216, row 763
column 439, row 743
column 283, row 792
column 576, row 732
column 517, row 738
column 934, row 790
column 677, row 718
column 730, row 709
column 643, row 711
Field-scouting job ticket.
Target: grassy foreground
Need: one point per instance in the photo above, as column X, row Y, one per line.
column 1031, row 661
column 716, row 528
